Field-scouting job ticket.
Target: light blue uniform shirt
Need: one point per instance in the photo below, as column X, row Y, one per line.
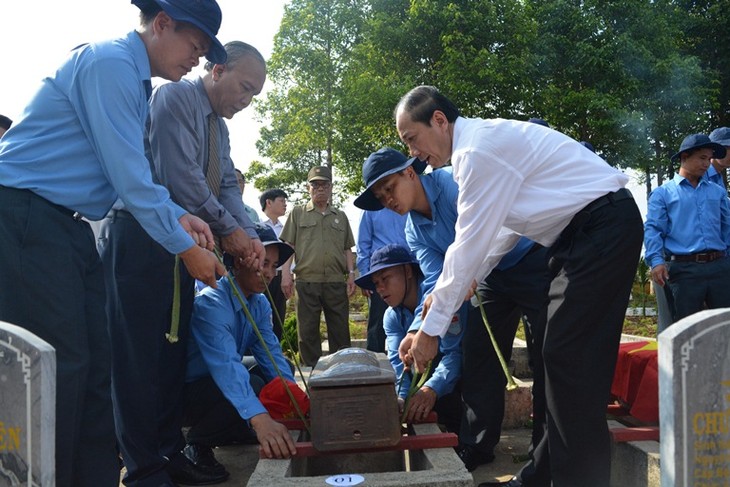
column 378, row 229
column 79, row 142
column 684, row 220
column 396, row 323
column 220, row 335
column 713, row 176
column 430, row 238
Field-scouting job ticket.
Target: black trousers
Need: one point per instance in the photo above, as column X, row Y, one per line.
column 52, row 284
column 213, row 420
column 521, row 290
column 376, row 332
column 148, row 372
column 594, row 262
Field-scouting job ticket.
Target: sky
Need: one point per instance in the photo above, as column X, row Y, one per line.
column 37, row 35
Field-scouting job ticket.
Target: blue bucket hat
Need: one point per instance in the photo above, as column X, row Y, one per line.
column 700, row 141
column 268, row 237
column 204, row 14
column 721, row 136
column 390, row 255
column 379, row 164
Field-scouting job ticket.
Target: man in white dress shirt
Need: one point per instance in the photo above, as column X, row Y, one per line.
column 541, row 184
column 273, row 204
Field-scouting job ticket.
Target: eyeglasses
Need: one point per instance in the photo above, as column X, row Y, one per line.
column 320, row 184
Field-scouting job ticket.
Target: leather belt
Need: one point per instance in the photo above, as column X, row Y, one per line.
column 62, row 209
column 700, row 257
column 621, row 194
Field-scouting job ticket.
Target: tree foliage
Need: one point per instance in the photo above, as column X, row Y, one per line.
column 631, row 76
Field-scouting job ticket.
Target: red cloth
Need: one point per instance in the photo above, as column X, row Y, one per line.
column 278, row 403
column 635, row 381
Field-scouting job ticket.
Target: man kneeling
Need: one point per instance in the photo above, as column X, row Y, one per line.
column 221, row 403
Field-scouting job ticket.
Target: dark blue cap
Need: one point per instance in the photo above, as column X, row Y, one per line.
column 204, row 14
column 588, row 145
column 390, row 255
column 268, row 237
column 721, row 136
column 700, row 141
column 539, row 121
column 379, row 164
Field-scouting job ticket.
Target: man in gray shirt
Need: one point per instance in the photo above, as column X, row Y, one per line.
column 188, row 147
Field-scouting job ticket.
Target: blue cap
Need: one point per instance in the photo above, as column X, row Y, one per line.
column 204, row 14
column 721, row 136
column 379, row 164
column 539, row 121
column 268, row 237
column 588, row 145
column 390, row 255
column 700, row 141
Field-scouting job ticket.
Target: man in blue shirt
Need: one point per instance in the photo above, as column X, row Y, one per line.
column 220, row 404
column 715, row 172
column 377, row 229
column 429, row 231
column 147, row 369
column 687, row 232
column 77, row 148
column 395, row 276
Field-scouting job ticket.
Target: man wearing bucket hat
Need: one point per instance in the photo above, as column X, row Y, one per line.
column 518, row 286
column 76, row 150
column 323, row 241
column 687, row 231
column 221, row 404
column 395, row 275
column 716, row 172
column 185, row 126
column 377, row 229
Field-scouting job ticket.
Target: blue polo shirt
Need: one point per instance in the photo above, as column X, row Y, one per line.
column 220, row 334
column 79, row 142
column 682, row 220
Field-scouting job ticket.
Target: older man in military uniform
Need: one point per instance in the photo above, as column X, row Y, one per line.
column 324, row 267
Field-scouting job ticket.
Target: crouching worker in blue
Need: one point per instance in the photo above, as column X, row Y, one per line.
column 221, row 406
column 395, row 275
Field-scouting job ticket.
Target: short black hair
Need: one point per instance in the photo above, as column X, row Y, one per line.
column 5, row 122
column 422, row 101
column 271, row 194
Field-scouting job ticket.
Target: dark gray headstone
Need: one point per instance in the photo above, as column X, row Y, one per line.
column 27, row 408
column 694, row 400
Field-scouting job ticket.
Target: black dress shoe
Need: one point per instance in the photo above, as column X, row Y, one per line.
column 513, row 482
column 472, row 457
column 182, row 471
column 202, row 456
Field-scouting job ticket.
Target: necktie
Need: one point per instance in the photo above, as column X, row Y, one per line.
column 213, row 175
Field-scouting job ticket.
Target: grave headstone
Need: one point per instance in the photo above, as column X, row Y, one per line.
column 694, row 401
column 27, row 408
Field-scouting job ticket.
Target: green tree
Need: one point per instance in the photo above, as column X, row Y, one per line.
column 311, row 50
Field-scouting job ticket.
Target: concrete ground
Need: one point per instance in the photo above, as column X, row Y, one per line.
column 240, row 461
